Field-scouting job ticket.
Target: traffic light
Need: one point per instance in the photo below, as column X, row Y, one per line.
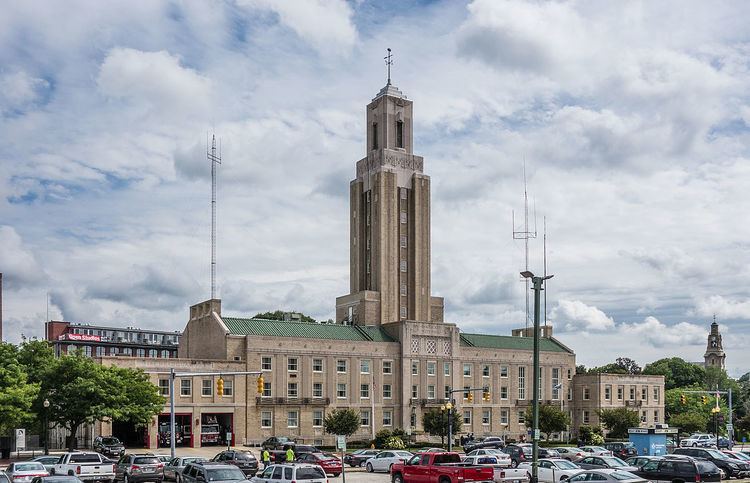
column 260, row 384
column 220, row 386
column 683, row 399
column 486, row 394
column 470, row 397
column 704, row 399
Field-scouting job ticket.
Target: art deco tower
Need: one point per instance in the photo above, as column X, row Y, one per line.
column 389, row 223
column 714, row 356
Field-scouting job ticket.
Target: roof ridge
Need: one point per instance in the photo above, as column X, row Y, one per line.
column 364, row 333
column 273, row 320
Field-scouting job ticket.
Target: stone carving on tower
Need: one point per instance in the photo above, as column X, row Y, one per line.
column 714, row 356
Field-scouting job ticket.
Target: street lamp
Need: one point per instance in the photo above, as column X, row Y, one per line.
column 537, row 288
column 46, row 425
column 449, row 407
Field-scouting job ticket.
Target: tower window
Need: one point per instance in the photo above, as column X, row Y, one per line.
column 403, row 312
column 403, row 241
column 399, row 134
column 374, row 135
column 403, row 265
column 403, row 217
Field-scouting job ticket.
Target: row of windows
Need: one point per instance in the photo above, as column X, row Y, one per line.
column 207, row 387
column 586, row 416
column 100, row 351
column 342, row 365
column 292, row 418
column 292, row 390
column 633, row 390
column 128, row 336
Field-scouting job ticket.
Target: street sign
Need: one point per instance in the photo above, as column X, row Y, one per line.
column 341, row 443
column 536, row 434
column 20, row 439
column 730, row 427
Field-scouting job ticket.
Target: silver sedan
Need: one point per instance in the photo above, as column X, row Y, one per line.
column 383, row 460
column 24, row 472
column 612, row 476
column 173, row 469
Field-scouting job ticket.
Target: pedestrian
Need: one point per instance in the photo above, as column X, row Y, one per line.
column 290, row 455
column 265, row 456
column 462, row 440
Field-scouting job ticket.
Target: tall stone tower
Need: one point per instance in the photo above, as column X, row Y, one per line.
column 714, row 356
column 389, row 220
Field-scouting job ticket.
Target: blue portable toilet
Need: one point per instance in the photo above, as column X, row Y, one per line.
column 651, row 441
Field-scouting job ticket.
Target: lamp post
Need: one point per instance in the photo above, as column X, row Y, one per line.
column 46, row 426
column 537, row 283
column 449, row 407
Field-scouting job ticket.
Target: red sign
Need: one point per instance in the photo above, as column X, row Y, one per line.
column 82, row 337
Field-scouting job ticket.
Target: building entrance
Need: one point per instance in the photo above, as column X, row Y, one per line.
column 214, row 429
column 130, row 435
column 183, row 430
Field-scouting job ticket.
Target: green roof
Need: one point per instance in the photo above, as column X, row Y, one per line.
column 508, row 342
column 305, row 330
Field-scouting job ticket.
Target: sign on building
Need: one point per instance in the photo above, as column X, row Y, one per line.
column 20, row 439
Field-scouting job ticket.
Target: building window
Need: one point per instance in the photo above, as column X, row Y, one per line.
column 87, row 350
column 266, row 389
column 317, row 365
column 403, row 193
column 644, row 416
column 364, row 417
column 387, row 367
column 466, row 393
column 486, row 416
column 632, row 393
column 127, row 351
column 228, row 388
column 446, row 368
column 585, row 417
column 291, row 364
column 266, row 420
column 656, row 393
column 620, row 392
column 503, row 416
column 521, row 382
column 608, row 392
column 265, row 363
column 317, row 418
column 644, row 393
column 486, row 371
column 521, row 417
column 403, row 289
column 569, row 375
column 414, row 391
column 164, row 354
column 467, row 370
column 586, row 393
column 503, row 371
column 207, row 387
column 403, row 265
column 467, row 417
column 164, row 387
column 364, row 391
column 100, row 351
column 413, row 420
column 431, row 368
column 403, row 241
column 414, row 368
column 570, row 393
column 140, row 352
column 317, row 389
column 447, row 393
column 386, row 391
column 399, row 134
column 387, row 418
column 555, row 383
column 152, row 352
column 186, row 387
column 292, row 419
column 431, row 391
column 291, row 390
column 364, row 366
column 341, row 390
column 341, row 366
column 656, row 415
column 403, row 217
column 503, row 392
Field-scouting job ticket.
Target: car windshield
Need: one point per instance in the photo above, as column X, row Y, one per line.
column 29, row 467
column 191, row 460
column 110, row 441
column 566, row 465
column 310, row 473
column 615, row 462
column 717, row 454
column 623, row 475
column 403, row 454
column 224, row 474
column 526, row 450
column 146, row 460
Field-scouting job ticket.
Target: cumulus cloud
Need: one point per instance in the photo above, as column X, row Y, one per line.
column 575, row 315
column 722, row 307
column 18, row 264
column 19, row 89
column 657, row 334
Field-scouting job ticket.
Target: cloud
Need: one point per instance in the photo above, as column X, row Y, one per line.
column 653, row 332
column 18, row 90
column 19, row 266
column 575, row 315
column 670, row 261
column 723, row 307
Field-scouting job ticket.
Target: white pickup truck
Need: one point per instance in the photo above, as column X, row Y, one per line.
column 88, row 467
column 503, row 473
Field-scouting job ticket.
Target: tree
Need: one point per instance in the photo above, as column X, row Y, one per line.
column 435, row 422
column 342, row 421
column 36, row 357
column 618, row 420
column 590, row 435
column 16, row 394
column 622, row 365
column 551, row 419
column 689, row 422
column 628, row 364
column 677, row 372
column 279, row 315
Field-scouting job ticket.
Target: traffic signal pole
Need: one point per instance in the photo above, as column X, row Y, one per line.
column 452, row 402
column 717, row 393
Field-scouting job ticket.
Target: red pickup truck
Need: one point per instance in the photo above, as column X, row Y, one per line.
column 439, row 468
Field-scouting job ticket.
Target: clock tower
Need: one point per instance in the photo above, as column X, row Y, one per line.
column 714, row 356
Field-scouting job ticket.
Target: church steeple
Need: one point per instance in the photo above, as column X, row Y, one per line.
column 714, row 356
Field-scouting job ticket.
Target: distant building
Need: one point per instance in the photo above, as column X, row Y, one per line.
column 714, row 356
column 99, row 341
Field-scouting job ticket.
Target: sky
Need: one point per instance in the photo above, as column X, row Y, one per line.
column 632, row 120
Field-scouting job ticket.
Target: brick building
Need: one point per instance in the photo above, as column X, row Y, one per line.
column 99, row 341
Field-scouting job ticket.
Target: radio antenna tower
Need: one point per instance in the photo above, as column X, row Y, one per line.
column 214, row 159
column 544, row 243
column 525, row 234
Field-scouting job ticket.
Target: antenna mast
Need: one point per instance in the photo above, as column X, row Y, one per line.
column 544, row 243
column 214, row 159
column 524, row 234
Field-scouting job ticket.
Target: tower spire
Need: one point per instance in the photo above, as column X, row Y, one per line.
column 388, row 62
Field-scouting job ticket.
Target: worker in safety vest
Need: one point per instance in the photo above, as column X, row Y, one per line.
column 290, row 455
column 266, row 457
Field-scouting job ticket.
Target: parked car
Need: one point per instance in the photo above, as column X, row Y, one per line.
column 679, row 469
column 604, row 475
column 571, row 454
column 164, row 458
column 385, row 459
column 439, row 468
column 622, row 449
column 291, row 474
column 173, row 469
column 245, row 461
column 360, row 457
column 596, row 451
column 137, row 467
column 739, row 455
column 503, row 458
column 732, row 467
column 698, row 440
column 25, row 471
column 639, row 461
column 276, row 442
column 598, row 462
column 330, row 464
column 488, row 442
column 518, row 453
column 430, row 450
column 48, row 461
column 278, row 455
column 108, row 446
column 547, row 453
column 552, row 470
column 210, row 471
column 724, row 443
column 55, row 479
column 502, row 472
column 85, row 466
column 4, row 478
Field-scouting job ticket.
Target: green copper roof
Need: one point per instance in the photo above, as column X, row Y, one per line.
column 277, row 328
column 508, row 342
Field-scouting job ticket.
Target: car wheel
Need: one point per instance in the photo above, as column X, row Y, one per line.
column 695, row 445
column 369, row 467
column 563, row 477
column 52, row 472
column 389, row 467
column 528, row 475
column 398, row 478
column 362, row 464
column 336, row 474
column 513, row 464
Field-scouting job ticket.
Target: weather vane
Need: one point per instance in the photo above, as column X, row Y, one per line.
column 389, row 62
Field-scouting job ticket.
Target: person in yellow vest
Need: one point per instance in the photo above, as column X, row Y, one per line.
column 265, row 455
column 290, row 455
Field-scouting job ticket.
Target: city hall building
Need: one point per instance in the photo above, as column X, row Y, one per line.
column 390, row 354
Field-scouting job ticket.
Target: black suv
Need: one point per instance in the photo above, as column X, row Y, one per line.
column 202, row 472
column 679, row 469
column 108, row 446
column 488, row 442
column 623, row 450
column 732, row 467
column 518, row 454
column 241, row 459
column 276, row 442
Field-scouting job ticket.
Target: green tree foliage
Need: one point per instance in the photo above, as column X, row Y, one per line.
column 622, row 365
column 551, row 419
column 435, row 422
column 674, row 408
column 16, row 393
column 342, row 422
column 689, row 422
column 588, row 435
column 677, row 372
column 618, row 420
column 279, row 315
column 36, row 356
